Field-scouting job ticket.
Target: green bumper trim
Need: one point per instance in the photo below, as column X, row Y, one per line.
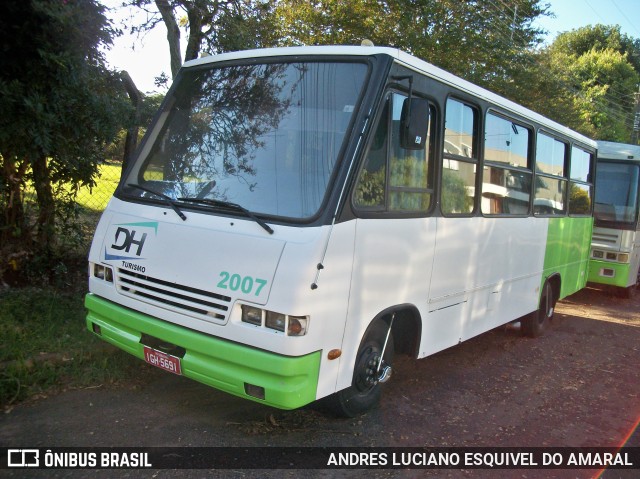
column 620, row 276
column 289, row 382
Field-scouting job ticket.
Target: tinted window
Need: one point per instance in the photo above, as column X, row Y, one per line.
column 264, row 136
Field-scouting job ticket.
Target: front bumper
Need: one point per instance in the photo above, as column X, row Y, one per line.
column 288, row 382
column 609, row 273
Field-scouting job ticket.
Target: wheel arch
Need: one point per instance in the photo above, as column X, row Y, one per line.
column 555, row 281
column 406, row 329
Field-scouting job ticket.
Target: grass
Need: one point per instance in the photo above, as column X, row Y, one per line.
column 44, row 343
column 96, row 198
column 45, row 346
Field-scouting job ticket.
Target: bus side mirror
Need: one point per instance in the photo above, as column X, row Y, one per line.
column 414, row 123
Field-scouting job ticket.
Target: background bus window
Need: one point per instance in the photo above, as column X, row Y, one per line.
column 460, row 161
column 506, row 184
column 408, row 188
column 550, row 184
column 580, row 190
column 617, row 193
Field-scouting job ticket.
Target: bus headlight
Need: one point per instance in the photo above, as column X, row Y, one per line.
column 623, row 257
column 252, row 315
column 105, row 273
column 283, row 323
column 276, row 321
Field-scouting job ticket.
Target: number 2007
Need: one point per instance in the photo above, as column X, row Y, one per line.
column 246, row 284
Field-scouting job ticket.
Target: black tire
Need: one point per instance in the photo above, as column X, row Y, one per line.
column 364, row 392
column 536, row 323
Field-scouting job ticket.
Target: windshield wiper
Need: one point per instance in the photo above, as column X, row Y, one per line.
column 167, row 199
column 228, row 204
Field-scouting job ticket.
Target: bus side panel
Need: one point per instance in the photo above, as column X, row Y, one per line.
column 327, row 302
column 392, row 266
column 486, row 273
column 567, row 253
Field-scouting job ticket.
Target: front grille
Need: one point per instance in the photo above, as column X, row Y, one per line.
column 175, row 297
column 606, row 238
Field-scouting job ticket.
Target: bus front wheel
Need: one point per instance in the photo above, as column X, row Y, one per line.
column 539, row 321
column 365, row 390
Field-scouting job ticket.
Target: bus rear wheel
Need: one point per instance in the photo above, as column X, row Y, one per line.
column 365, row 390
column 536, row 323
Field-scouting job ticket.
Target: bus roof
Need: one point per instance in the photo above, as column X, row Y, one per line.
column 618, row 151
column 408, row 61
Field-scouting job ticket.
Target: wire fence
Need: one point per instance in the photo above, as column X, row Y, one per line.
column 76, row 235
column 95, row 199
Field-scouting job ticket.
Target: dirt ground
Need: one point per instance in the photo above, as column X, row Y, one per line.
column 578, row 385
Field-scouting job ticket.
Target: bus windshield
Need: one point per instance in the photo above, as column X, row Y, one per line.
column 263, row 136
column 616, row 194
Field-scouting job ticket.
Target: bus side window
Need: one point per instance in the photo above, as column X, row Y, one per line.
column 394, row 178
column 506, row 183
column 551, row 181
column 580, row 189
column 460, row 159
column 409, row 169
column 371, row 188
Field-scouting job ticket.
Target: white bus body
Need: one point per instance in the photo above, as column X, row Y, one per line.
column 369, row 246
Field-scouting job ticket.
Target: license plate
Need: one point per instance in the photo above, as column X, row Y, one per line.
column 162, row 360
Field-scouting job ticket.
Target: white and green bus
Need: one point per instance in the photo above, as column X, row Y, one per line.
column 297, row 216
column 615, row 249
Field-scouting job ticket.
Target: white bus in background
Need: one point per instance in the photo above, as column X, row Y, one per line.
column 297, row 216
column 615, row 251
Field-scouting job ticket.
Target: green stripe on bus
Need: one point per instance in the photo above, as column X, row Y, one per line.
column 289, row 382
column 567, row 252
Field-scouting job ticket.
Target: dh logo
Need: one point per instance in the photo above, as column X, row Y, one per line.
column 128, row 238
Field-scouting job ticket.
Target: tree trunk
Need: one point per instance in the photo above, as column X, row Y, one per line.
column 195, row 34
column 46, row 204
column 173, row 35
column 13, row 225
column 199, row 13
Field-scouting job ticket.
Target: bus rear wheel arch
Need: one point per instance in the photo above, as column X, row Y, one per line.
column 536, row 323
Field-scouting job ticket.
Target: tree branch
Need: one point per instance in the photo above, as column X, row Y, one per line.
column 173, row 34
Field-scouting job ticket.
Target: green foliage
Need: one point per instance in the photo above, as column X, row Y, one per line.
column 370, row 189
column 95, row 198
column 579, row 201
column 44, row 345
column 210, row 26
column 587, row 79
column 455, row 197
column 408, row 172
column 598, row 37
column 468, row 38
column 59, row 107
column 114, row 151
